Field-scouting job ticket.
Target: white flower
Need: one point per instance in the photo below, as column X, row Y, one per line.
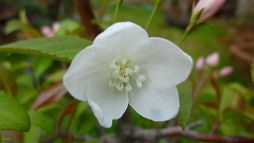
column 124, row 66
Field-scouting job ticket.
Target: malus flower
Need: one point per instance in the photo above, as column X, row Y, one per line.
column 206, row 9
column 124, row 66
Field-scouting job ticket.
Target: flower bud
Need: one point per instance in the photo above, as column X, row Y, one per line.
column 226, row 71
column 200, row 63
column 55, row 26
column 46, row 31
column 206, row 9
column 213, row 59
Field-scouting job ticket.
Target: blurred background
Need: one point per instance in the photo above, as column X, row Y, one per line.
column 222, row 90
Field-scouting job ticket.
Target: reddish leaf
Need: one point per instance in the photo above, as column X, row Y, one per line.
column 53, row 94
column 68, row 109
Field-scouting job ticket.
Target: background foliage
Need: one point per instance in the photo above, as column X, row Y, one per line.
column 34, row 101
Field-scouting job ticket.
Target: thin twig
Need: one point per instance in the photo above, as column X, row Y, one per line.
column 153, row 135
column 63, row 134
column 87, row 17
column 156, row 6
column 118, row 4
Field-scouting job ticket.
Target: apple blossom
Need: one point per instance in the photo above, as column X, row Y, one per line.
column 124, row 66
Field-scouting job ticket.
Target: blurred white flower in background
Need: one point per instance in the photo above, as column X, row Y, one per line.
column 124, row 66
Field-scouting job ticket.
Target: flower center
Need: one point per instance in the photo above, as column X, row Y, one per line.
column 125, row 74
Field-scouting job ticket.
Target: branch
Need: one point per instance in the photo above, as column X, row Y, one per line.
column 87, row 17
column 153, row 135
column 64, row 134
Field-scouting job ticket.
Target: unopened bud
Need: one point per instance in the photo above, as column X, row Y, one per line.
column 200, row 63
column 226, row 71
column 206, row 9
column 213, row 59
column 46, row 31
column 55, row 26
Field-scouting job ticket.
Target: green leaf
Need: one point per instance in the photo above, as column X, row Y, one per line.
column 16, row 25
column 13, row 25
column 8, row 80
column 68, row 26
column 185, row 104
column 44, row 122
column 13, row 116
column 62, row 48
column 41, row 65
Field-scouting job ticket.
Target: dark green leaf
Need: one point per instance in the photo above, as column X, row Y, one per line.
column 17, row 25
column 8, row 80
column 12, row 115
column 44, row 122
column 185, row 105
column 62, row 48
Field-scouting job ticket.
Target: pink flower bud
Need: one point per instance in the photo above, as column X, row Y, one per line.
column 55, row 26
column 46, row 31
column 213, row 59
column 200, row 63
column 226, row 71
column 207, row 8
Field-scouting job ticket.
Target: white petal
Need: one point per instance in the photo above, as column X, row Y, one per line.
column 155, row 102
column 122, row 37
column 164, row 61
column 106, row 102
column 105, row 122
column 74, row 80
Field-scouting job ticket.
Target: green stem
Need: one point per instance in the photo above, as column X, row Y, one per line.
column 118, row 4
column 157, row 3
column 186, row 32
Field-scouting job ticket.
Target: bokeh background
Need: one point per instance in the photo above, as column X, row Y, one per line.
column 221, row 103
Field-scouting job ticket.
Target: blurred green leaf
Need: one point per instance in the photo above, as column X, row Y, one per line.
column 26, row 90
column 62, row 48
column 68, row 26
column 81, row 108
column 44, row 122
column 229, row 99
column 8, row 80
column 12, row 114
column 228, row 127
column 56, row 76
column 34, row 135
column 208, row 117
column 16, row 25
column 13, row 25
column 41, row 65
column 185, row 106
